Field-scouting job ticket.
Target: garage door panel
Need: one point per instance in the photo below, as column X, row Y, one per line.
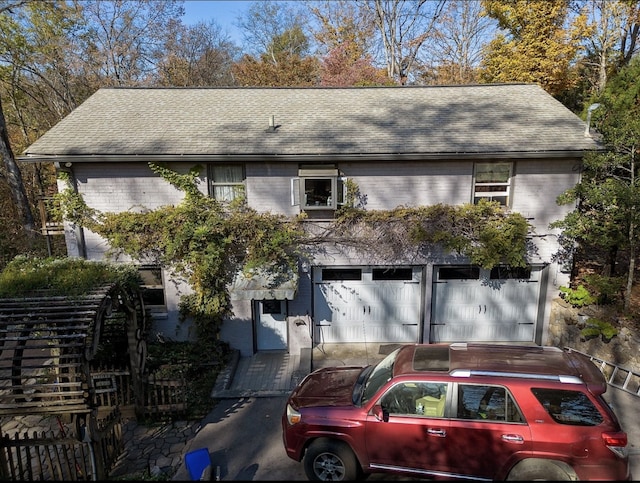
column 484, row 309
column 335, row 334
column 368, row 310
column 393, row 332
column 482, row 332
column 339, row 333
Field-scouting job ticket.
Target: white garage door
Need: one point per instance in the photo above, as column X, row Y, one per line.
column 366, row 304
column 475, row 305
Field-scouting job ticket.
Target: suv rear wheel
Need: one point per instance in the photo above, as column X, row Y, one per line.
column 331, row 460
column 541, row 470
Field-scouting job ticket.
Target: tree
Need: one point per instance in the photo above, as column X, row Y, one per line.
column 123, row 38
column 455, row 48
column 196, row 56
column 537, row 46
column 344, row 34
column 342, row 22
column 403, row 27
column 281, row 65
column 274, row 29
column 612, row 38
column 13, row 177
column 340, row 69
column 10, row 172
column 279, row 48
column 607, row 217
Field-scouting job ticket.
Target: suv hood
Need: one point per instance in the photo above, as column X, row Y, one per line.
column 329, row 386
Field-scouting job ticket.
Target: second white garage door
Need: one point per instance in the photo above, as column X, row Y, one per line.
column 475, row 305
column 367, row 304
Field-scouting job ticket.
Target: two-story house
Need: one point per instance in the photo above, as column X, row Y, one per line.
column 291, row 150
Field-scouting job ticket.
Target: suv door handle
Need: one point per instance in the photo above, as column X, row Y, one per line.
column 441, row 433
column 513, row 438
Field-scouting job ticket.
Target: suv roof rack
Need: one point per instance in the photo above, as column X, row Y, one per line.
column 564, row 378
column 471, row 346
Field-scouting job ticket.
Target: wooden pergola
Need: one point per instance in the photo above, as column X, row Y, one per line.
column 48, row 342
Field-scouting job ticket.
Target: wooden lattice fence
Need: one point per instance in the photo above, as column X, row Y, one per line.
column 62, row 454
column 163, row 397
column 50, row 356
column 75, row 454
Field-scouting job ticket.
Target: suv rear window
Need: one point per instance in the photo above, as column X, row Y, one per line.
column 568, row 407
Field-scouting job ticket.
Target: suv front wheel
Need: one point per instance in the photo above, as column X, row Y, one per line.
column 331, row 460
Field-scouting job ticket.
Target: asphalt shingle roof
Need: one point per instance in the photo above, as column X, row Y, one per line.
column 504, row 118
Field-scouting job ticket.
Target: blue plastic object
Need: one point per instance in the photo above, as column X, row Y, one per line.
column 197, row 461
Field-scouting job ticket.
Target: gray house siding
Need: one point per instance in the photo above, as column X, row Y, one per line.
column 387, row 185
column 537, row 185
column 135, row 187
column 269, row 186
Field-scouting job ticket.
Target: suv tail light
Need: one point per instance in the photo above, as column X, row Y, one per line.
column 616, row 442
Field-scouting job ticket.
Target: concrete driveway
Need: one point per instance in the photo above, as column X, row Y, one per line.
column 244, row 439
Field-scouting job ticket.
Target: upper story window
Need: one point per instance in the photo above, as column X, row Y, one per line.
column 318, row 188
column 492, row 181
column 226, row 181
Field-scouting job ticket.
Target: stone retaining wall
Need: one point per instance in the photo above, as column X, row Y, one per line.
column 564, row 331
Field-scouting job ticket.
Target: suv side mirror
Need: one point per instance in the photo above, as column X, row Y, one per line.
column 380, row 413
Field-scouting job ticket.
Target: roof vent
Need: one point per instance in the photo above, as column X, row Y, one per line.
column 591, row 108
column 272, row 124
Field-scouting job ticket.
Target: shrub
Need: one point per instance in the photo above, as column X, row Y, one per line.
column 599, row 328
column 578, row 297
column 199, row 365
column 62, row 276
column 608, row 289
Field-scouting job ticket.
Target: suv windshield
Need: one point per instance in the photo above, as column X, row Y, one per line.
column 377, row 377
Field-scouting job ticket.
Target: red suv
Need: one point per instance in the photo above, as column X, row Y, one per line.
column 458, row 411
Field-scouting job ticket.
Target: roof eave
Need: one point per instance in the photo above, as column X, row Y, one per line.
column 261, row 157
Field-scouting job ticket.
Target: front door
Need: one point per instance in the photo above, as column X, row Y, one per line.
column 271, row 330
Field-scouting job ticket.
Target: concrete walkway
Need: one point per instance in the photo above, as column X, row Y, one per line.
column 276, row 373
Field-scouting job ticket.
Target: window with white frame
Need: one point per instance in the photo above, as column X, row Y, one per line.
column 492, row 181
column 318, row 188
column 152, row 288
column 226, row 182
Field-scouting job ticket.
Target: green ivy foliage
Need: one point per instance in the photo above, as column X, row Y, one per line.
column 62, row 276
column 485, row 233
column 201, row 240
column 205, row 242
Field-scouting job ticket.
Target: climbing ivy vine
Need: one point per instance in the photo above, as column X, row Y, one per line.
column 205, row 242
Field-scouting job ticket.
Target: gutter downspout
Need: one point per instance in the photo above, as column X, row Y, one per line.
column 77, row 231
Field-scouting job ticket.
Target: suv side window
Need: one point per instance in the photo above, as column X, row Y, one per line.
column 416, row 398
column 487, row 402
column 568, row 407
